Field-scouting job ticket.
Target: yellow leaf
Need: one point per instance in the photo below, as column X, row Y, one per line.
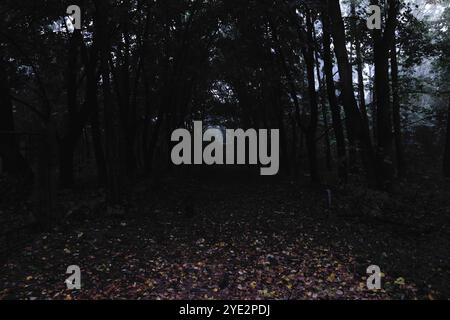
column 400, row 281
column 265, row 293
column 149, row 283
column 331, row 277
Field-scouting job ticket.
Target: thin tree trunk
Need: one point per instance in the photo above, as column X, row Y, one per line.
column 401, row 165
column 447, row 145
column 294, row 145
column 13, row 161
column 311, row 131
column 92, row 87
column 382, row 44
column 98, row 146
column 283, row 143
column 92, row 101
column 66, row 163
column 122, row 85
column 334, row 106
column 384, row 116
column 323, row 105
column 359, row 69
column 70, row 138
column 113, row 169
column 359, row 66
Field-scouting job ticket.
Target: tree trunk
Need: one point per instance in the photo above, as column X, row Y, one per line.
column 66, row 163
column 284, row 160
column 92, row 87
column 311, row 143
column 70, row 137
column 113, row 168
column 321, row 81
column 356, row 124
column 382, row 44
column 98, row 146
column 294, row 145
column 122, row 82
column 359, row 67
column 277, row 99
column 447, row 146
column 334, row 106
column 46, row 178
column 384, row 118
column 12, row 160
column 401, row 165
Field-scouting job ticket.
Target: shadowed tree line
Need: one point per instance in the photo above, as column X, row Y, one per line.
column 137, row 70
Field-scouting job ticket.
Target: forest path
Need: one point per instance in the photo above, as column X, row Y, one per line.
column 252, row 240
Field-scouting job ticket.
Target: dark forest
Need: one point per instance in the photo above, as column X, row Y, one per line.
column 95, row 97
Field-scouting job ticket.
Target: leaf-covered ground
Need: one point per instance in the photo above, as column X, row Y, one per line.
column 248, row 239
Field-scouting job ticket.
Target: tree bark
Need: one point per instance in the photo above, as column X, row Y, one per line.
column 122, row 81
column 382, row 44
column 112, row 149
column 311, row 132
column 92, row 86
column 447, row 145
column 77, row 116
column 334, row 106
column 401, row 164
column 98, row 146
column 356, row 124
column 359, row 66
column 13, row 161
column 323, row 105
column 70, row 137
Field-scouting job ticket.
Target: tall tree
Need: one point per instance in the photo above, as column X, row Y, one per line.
column 357, row 34
column 308, row 128
column 13, row 161
column 447, row 145
column 383, row 41
column 334, row 105
column 112, row 149
column 73, row 128
column 356, row 124
column 443, row 66
column 323, row 105
column 311, row 141
column 396, row 115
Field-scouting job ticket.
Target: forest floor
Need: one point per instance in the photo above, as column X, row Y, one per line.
column 250, row 238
